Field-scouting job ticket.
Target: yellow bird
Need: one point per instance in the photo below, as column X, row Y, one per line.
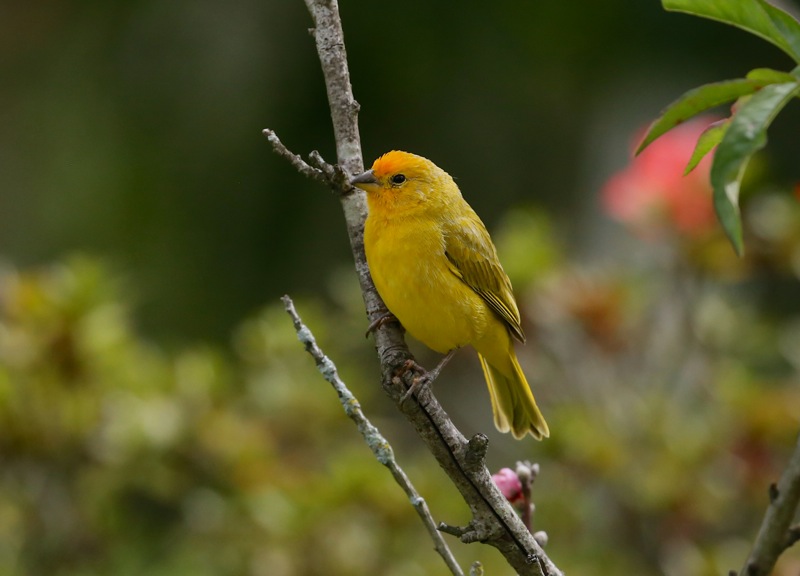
column 436, row 269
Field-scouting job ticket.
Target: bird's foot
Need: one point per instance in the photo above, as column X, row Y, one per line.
column 424, row 378
column 418, row 382
column 384, row 318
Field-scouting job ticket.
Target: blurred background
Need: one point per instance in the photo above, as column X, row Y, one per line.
column 157, row 414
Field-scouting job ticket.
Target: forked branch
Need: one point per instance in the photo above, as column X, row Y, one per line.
column 494, row 521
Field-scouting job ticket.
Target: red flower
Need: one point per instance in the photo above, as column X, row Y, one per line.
column 652, row 195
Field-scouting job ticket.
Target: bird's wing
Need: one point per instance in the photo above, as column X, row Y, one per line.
column 473, row 259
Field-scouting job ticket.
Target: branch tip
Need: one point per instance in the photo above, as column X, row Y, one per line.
column 541, row 538
column 452, row 530
column 774, row 493
column 294, row 159
column 380, row 447
column 477, row 447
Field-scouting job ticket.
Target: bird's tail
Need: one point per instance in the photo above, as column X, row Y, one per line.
column 513, row 405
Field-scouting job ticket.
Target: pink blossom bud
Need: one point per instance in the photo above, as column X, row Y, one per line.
column 508, row 483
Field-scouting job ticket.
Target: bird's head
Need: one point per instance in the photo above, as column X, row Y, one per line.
column 401, row 181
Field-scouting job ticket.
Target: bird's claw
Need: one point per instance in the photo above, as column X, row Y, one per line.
column 418, row 383
column 380, row 321
column 420, row 379
column 424, row 378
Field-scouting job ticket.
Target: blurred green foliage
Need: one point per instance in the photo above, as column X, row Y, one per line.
column 120, row 459
column 758, row 98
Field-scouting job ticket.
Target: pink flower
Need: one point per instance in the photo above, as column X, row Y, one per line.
column 508, row 483
column 651, row 195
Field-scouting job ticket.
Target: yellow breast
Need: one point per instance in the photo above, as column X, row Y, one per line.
column 407, row 261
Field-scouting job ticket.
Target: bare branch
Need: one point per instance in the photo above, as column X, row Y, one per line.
column 776, row 533
column 329, row 38
column 494, row 521
column 338, row 179
column 378, row 444
column 294, row 159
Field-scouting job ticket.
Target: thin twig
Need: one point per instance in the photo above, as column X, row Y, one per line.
column 378, row 444
column 294, row 159
column 776, row 533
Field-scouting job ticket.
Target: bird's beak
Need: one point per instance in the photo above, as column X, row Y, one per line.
column 367, row 177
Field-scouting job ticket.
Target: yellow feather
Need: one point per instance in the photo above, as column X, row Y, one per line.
column 434, row 265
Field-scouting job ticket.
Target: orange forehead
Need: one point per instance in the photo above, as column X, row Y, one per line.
column 394, row 162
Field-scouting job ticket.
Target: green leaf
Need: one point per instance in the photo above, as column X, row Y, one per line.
column 698, row 100
column 788, row 27
column 770, row 76
column 710, row 137
column 746, row 134
column 755, row 16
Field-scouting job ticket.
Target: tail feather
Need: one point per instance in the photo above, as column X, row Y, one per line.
column 513, row 404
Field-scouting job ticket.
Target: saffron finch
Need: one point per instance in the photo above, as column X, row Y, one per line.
column 437, row 271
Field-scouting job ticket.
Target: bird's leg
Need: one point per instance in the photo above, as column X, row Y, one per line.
column 380, row 321
column 434, row 374
column 426, row 378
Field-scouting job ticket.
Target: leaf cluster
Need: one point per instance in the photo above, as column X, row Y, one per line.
column 759, row 97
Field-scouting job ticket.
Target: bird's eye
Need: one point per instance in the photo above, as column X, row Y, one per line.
column 398, row 179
